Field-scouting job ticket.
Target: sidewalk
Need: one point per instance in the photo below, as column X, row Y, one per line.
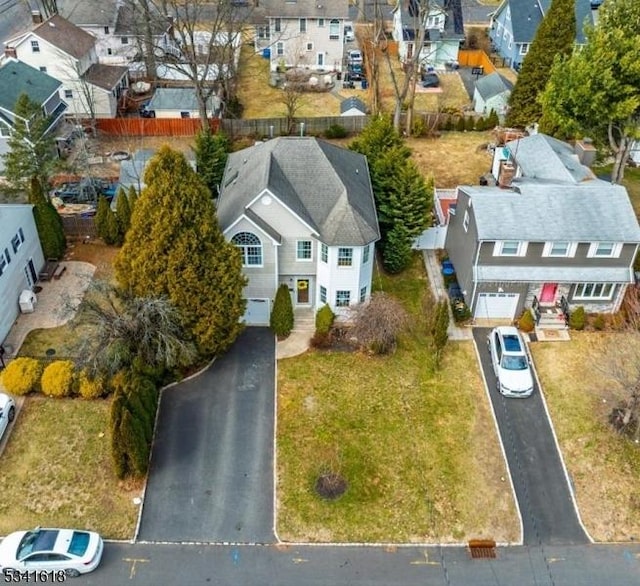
column 298, row 341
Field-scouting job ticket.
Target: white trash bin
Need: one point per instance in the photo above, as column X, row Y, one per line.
column 28, row 301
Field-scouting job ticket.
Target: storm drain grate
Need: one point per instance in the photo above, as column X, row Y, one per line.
column 482, row 549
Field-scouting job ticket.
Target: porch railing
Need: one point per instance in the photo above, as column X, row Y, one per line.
column 564, row 307
column 535, row 309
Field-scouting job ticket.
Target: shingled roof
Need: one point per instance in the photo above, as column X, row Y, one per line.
column 65, row 36
column 18, row 78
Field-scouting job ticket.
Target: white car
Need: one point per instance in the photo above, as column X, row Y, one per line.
column 510, row 362
column 349, row 34
column 354, row 57
column 7, row 412
column 67, row 552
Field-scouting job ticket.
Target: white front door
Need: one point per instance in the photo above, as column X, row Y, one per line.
column 496, row 305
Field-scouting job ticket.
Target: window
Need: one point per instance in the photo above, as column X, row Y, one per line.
column 343, row 298
column 433, row 22
column 334, row 29
column 324, row 253
column 345, row 257
column 560, row 249
column 509, row 248
column 309, row 46
column 3, row 264
column 250, row 247
column 16, row 243
column 323, row 294
column 263, row 32
column 124, row 40
column 365, row 255
column 109, row 51
column 43, row 69
column 363, row 294
column 21, row 234
column 106, row 30
column 321, row 22
column 303, row 25
column 465, row 221
column 68, row 94
column 524, row 48
column 35, row 47
column 277, row 25
column 279, row 48
column 604, row 250
column 185, row 114
column 303, row 250
column 593, row 291
column 7, row 255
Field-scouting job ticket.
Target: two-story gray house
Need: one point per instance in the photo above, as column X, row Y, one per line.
column 301, row 211
column 515, row 22
column 549, row 236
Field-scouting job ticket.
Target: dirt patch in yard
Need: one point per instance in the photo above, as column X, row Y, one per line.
column 98, row 254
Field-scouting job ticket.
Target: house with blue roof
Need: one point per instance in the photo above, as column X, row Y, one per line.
column 17, row 78
column 549, row 236
column 515, row 22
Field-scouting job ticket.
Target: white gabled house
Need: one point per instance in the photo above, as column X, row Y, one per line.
column 21, row 259
column 302, row 212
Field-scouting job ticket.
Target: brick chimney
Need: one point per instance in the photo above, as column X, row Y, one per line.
column 586, row 151
column 506, row 174
column 36, row 17
column 10, row 53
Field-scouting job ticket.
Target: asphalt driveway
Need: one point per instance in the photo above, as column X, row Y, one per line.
column 211, row 477
column 548, row 513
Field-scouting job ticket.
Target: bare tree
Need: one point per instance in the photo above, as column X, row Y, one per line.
column 374, row 44
column 379, row 322
column 293, row 100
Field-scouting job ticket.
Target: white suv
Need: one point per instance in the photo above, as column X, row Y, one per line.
column 510, row 362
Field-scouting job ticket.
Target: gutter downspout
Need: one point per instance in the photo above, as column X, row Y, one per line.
column 474, row 275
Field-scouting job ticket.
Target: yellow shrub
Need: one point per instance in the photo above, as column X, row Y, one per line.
column 57, row 378
column 21, row 376
column 90, row 388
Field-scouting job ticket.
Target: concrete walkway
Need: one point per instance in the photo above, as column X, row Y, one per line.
column 298, row 341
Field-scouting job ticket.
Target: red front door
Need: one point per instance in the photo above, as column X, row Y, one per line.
column 548, row 293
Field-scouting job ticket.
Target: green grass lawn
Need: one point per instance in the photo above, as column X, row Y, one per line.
column 56, row 471
column 417, row 447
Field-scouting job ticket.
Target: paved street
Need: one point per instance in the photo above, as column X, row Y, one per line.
column 211, row 476
column 548, row 512
column 166, row 565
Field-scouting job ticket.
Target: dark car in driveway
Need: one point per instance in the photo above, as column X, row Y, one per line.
column 430, row 80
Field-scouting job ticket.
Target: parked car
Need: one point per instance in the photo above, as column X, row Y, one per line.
column 144, row 111
column 510, row 362
column 354, row 57
column 349, row 34
column 68, row 551
column 355, row 72
column 87, row 190
column 430, row 79
column 7, row 412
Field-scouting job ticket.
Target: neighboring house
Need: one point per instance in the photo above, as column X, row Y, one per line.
column 492, row 93
column 353, row 107
column 303, row 33
column 444, row 32
column 132, row 170
column 68, row 53
column 550, row 236
column 302, row 212
column 17, row 78
column 21, row 260
column 634, row 155
column 515, row 22
column 181, row 103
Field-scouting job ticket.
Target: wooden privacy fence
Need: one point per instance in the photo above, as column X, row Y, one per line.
column 153, row 126
column 77, row 227
column 476, row 58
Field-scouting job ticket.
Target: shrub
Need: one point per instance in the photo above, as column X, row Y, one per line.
column 577, row 318
column 470, row 124
column 281, row 321
column 91, row 387
column 335, row 131
column 397, row 252
column 419, row 127
column 321, row 340
column 324, row 319
column 526, row 322
column 493, row 120
column 378, row 324
column 461, row 124
column 21, row 376
column 57, row 378
column 481, row 124
column 440, row 327
column 599, row 323
column 448, row 125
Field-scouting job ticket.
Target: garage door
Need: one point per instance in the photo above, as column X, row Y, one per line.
column 497, row 305
column 257, row 312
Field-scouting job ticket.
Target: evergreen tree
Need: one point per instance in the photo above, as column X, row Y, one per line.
column 555, row 36
column 493, row 120
column 133, row 198
column 176, row 248
column 377, row 138
column 32, row 150
column 396, row 251
column 48, row 222
column 281, row 320
column 212, row 151
column 105, row 222
column 123, row 214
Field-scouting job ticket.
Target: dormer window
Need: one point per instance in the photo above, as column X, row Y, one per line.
column 604, row 250
column 510, row 248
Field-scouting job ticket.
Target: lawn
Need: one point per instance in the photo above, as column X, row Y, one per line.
column 604, row 466
column 417, row 446
column 56, row 471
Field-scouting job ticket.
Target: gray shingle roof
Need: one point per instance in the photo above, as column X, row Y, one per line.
column 306, row 8
column 327, row 186
column 527, row 274
column 544, row 157
column 17, row 78
column 587, row 212
column 65, row 36
column 179, row 98
column 492, row 85
column 88, row 12
column 105, row 76
column 352, row 102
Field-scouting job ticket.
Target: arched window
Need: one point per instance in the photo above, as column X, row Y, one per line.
column 250, row 247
